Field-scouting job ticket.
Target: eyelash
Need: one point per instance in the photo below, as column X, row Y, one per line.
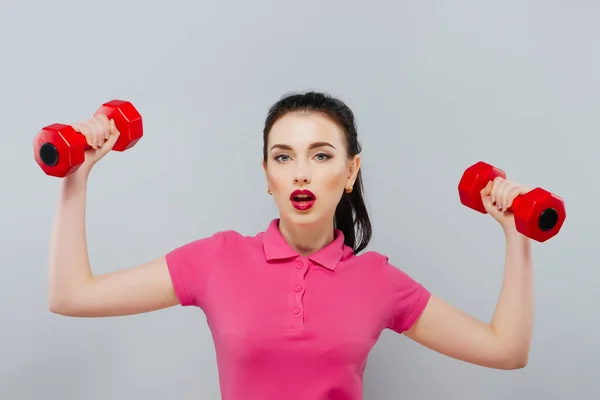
column 327, row 157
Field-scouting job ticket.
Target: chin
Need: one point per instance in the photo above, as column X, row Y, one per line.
column 303, row 218
column 307, row 218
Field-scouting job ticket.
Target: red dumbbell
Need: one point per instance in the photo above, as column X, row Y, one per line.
column 538, row 214
column 60, row 150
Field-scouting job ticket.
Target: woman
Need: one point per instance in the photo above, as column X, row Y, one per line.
column 295, row 310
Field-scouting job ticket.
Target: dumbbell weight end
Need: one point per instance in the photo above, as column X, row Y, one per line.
column 538, row 214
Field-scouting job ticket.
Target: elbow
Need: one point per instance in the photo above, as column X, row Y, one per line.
column 69, row 301
column 57, row 307
column 63, row 305
column 516, row 364
column 516, row 360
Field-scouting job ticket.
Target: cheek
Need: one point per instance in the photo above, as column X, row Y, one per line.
column 335, row 180
column 276, row 178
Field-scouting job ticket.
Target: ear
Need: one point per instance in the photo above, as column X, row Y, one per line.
column 264, row 164
column 353, row 168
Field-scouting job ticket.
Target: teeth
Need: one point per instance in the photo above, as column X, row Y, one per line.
column 302, row 197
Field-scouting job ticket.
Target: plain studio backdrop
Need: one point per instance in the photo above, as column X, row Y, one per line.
column 436, row 86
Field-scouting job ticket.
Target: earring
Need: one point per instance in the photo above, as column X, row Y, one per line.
column 269, row 191
column 349, row 190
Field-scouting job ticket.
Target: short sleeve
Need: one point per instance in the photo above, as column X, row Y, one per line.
column 189, row 266
column 407, row 298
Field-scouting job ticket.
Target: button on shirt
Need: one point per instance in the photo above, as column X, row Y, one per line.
column 287, row 326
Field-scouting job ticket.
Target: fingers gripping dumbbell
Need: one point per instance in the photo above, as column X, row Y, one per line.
column 60, row 150
column 538, row 214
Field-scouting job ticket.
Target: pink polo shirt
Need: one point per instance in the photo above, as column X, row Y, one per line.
column 288, row 327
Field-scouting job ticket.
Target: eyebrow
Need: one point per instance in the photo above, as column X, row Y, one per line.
column 312, row 146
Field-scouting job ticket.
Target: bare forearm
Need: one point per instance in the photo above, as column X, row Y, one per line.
column 513, row 318
column 69, row 265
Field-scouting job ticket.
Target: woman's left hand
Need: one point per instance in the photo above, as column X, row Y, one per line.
column 498, row 196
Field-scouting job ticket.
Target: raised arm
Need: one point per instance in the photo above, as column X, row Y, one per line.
column 73, row 289
column 503, row 343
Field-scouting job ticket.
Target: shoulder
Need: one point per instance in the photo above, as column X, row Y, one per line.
column 218, row 241
column 374, row 260
column 227, row 237
column 233, row 239
column 379, row 265
column 231, row 242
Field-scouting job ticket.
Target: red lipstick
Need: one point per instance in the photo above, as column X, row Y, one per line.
column 303, row 199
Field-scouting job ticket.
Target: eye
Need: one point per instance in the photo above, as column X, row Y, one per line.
column 279, row 158
column 323, row 157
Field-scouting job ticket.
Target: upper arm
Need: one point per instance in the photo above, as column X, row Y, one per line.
column 450, row 331
column 432, row 322
column 134, row 290
column 179, row 277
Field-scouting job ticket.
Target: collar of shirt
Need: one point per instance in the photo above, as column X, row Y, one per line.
column 276, row 248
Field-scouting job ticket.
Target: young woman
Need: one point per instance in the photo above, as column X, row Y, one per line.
column 295, row 309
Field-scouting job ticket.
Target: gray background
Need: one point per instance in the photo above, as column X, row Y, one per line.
column 435, row 86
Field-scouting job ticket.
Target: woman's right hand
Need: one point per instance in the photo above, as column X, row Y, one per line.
column 100, row 134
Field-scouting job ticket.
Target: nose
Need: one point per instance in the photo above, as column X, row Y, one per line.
column 301, row 177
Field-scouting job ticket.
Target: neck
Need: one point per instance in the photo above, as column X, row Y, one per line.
column 307, row 239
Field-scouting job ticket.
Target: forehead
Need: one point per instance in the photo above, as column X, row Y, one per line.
column 302, row 128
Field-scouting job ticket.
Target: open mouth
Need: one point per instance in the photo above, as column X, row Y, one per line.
column 302, row 199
